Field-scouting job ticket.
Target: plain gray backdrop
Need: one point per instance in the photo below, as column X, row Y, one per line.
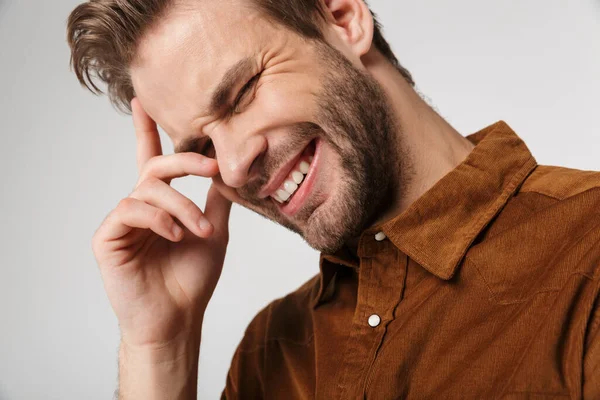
column 69, row 158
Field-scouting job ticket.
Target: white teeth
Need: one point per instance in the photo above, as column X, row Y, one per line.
column 304, row 167
column 283, row 195
column 298, row 177
column 290, row 187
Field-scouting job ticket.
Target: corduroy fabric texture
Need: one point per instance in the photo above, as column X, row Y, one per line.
column 487, row 287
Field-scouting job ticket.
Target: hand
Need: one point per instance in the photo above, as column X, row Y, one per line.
column 159, row 263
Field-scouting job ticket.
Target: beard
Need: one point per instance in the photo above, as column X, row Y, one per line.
column 356, row 121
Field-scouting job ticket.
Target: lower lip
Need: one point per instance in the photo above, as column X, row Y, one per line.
column 292, row 207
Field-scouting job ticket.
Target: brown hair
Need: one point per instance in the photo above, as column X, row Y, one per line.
column 103, row 35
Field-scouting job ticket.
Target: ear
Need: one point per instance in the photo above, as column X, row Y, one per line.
column 353, row 22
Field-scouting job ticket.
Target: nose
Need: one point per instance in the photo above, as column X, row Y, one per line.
column 236, row 154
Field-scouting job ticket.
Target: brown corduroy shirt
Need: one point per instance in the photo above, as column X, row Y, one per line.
column 486, row 287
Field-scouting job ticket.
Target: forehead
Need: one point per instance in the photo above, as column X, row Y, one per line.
column 181, row 59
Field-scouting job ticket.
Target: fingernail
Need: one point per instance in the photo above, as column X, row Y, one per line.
column 176, row 230
column 204, row 224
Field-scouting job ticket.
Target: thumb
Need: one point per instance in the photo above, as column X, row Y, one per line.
column 217, row 211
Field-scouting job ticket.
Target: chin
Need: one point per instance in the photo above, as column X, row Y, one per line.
column 331, row 225
column 322, row 243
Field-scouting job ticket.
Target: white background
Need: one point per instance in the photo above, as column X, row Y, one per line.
column 69, row 158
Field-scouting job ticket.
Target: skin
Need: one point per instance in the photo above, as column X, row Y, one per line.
column 180, row 62
column 159, row 281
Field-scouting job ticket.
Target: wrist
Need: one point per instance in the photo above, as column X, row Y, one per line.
column 181, row 342
column 175, row 351
column 159, row 372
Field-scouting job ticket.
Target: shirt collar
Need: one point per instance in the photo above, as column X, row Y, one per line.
column 439, row 227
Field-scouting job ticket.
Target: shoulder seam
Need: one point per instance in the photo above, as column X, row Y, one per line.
column 561, row 198
column 581, row 179
column 543, row 193
column 493, row 297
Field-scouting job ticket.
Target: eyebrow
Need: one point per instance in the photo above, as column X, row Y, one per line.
column 233, row 75
column 220, row 97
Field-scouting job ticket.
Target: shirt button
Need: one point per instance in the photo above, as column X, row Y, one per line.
column 380, row 236
column 374, row 320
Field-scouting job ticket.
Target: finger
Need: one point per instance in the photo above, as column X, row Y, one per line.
column 173, row 166
column 132, row 213
column 217, row 211
column 159, row 194
column 148, row 140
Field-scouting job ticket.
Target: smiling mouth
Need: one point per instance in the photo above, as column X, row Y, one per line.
column 297, row 176
column 309, row 162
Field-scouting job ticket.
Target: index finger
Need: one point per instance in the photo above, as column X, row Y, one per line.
column 146, row 132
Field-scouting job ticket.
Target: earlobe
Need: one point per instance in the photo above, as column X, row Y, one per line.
column 353, row 22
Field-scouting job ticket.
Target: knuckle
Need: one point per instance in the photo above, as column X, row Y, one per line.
column 149, row 168
column 161, row 217
column 191, row 209
column 125, row 205
column 151, row 165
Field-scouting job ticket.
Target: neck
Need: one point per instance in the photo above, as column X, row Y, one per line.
column 429, row 147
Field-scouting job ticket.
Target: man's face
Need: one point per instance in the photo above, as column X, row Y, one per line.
column 301, row 135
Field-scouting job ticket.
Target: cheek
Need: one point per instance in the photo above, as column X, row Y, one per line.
column 287, row 105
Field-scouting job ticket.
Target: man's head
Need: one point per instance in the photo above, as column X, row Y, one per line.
column 276, row 91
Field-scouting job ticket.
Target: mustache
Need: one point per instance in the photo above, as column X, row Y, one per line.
column 270, row 162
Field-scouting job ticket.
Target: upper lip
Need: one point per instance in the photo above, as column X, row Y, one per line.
column 280, row 176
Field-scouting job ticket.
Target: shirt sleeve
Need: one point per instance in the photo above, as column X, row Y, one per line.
column 591, row 360
column 245, row 379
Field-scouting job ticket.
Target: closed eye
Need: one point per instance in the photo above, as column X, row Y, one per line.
column 243, row 94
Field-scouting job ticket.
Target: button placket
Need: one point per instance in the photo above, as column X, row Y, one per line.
column 371, row 248
column 376, row 299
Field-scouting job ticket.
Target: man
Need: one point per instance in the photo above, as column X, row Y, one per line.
column 451, row 267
